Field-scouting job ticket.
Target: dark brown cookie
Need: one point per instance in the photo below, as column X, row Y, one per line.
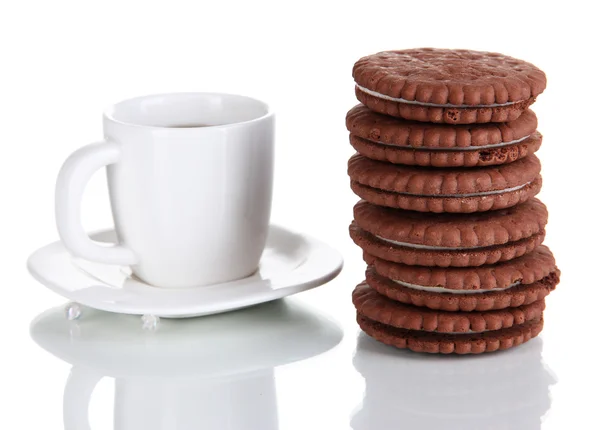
column 447, row 86
column 519, row 295
column 363, row 122
column 489, row 156
column 527, row 269
column 398, row 141
column 457, row 190
column 444, row 240
column 471, row 343
column 369, row 303
column 443, row 258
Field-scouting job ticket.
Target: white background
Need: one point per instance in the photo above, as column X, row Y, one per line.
column 64, row 61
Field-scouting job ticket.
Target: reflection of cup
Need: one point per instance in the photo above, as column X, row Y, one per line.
column 244, row 402
column 216, row 372
column 504, row 390
column 247, row 402
column 190, row 177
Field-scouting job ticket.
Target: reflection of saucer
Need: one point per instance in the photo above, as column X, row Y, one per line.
column 215, row 372
column 505, row 390
column 259, row 337
column 291, row 263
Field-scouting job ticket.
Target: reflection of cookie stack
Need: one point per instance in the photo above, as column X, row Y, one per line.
column 494, row 391
column 448, row 223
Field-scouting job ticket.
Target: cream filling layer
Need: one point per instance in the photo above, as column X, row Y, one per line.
column 485, row 193
column 457, row 292
column 445, row 290
column 465, row 148
column 427, row 247
column 450, row 291
column 413, row 102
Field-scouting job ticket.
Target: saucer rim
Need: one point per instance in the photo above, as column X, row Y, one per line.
column 315, row 246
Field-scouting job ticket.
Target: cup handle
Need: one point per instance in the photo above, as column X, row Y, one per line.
column 72, row 179
column 76, row 398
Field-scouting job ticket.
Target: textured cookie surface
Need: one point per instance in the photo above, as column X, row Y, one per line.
column 411, row 255
column 527, row 269
column 379, row 308
column 452, row 230
column 522, row 294
column 478, row 157
column 472, row 343
column 447, row 86
column 366, row 124
column 459, row 190
column 443, row 114
column 444, row 76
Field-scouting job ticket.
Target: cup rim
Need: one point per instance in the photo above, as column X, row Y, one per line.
column 108, row 112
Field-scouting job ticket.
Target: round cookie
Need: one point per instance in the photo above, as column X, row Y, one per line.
column 444, row 240
column 527, row 269
column 398, row 141
column 471, row 343
column 447, row 86
column 515, row 296
column 456, row 190
column 376, row 307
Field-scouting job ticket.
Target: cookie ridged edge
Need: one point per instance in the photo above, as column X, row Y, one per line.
column 476, row 157
column 513, row 297
column 369, row 303
column 497, row 78
column 442, row 182
column 447, row 204
column 444, row 115
column 422, row 257
column 526, row 269
column 372, row 126
column 437, row 343
column 453, row 230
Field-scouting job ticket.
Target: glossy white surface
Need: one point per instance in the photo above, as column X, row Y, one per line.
column 291, row 263
column 66, row 59
column 190, row 178
column 200, row 372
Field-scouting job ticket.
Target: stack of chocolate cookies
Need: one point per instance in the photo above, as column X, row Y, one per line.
column 448, row 223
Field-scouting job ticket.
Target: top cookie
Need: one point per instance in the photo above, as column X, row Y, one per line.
column 447, row 86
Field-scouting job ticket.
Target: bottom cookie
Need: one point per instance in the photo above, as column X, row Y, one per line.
column 476, row 343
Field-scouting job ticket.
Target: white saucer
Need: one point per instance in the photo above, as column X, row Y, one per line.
column 291, row 263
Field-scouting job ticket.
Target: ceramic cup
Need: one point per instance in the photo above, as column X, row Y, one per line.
column 190, row 180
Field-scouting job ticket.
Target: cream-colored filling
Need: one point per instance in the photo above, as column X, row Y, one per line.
column 484, row 193
column 463, row 148
column 413, row 102
column 445, row 290
column 428, row 247
column 451, row 291
column 458, row 292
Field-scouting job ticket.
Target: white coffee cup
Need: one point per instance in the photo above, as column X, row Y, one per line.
column 190, row 179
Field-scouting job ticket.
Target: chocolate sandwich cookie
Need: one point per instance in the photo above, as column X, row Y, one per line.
column 447, row 86
column 399, row 141
column 444, row 240
column 514, row 295
column 464, row 343
column 525, row 270
column 372, row 305
column 459, row 189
